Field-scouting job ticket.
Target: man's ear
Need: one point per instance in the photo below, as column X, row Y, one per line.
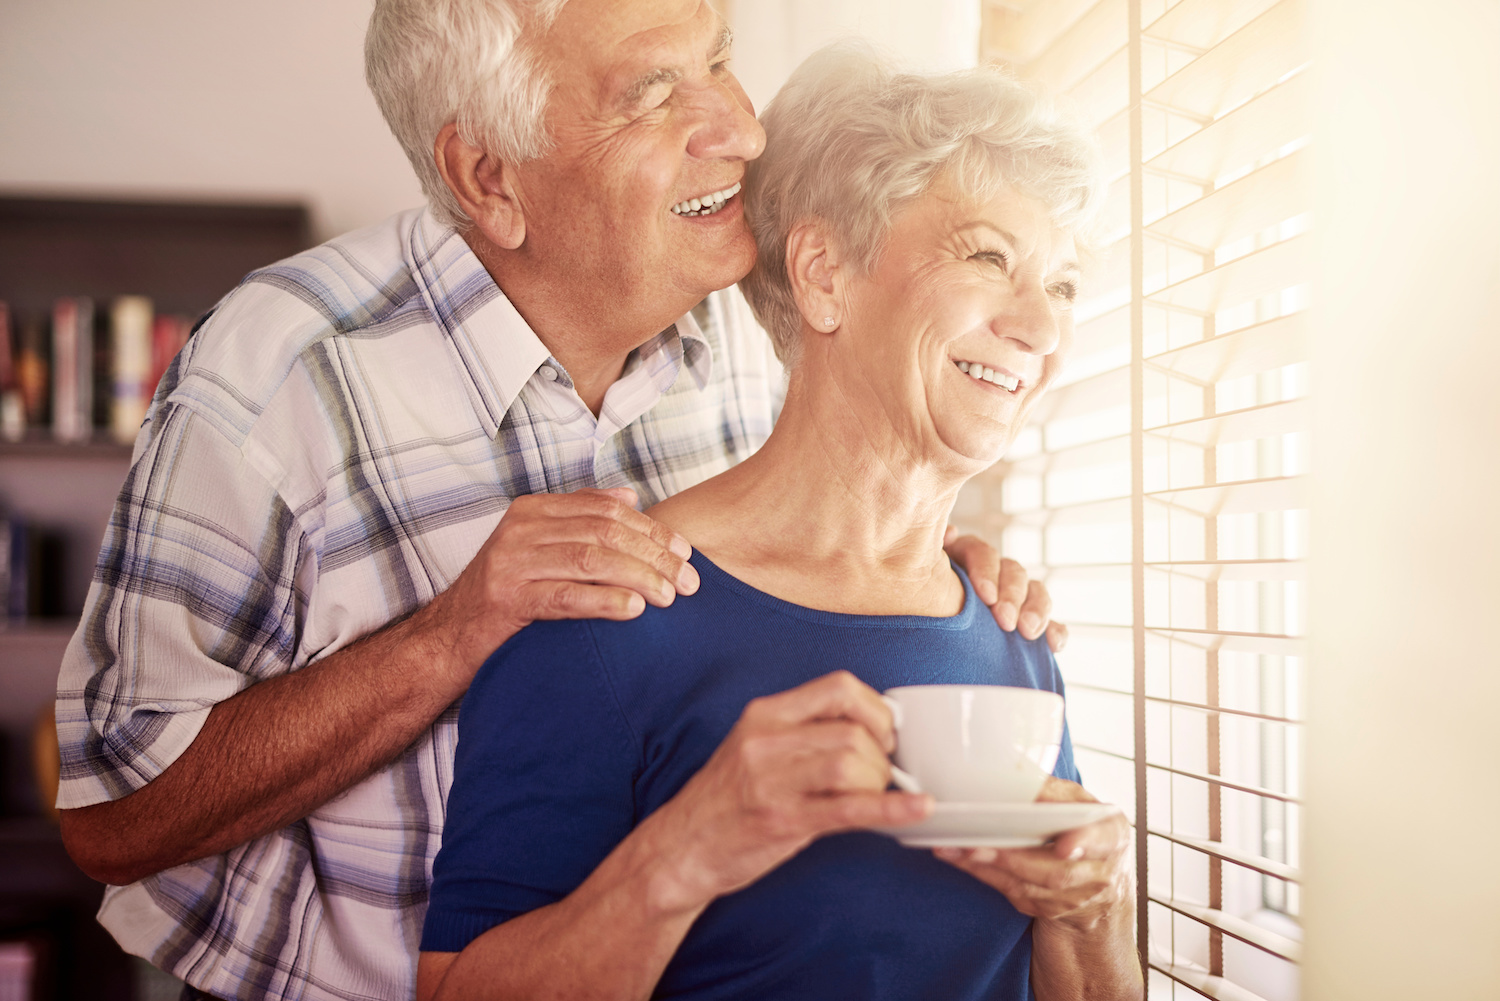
column 484, row 186
column 817, row 279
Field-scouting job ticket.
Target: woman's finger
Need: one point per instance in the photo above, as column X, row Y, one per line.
column 858, row 810
column 839, row 695
column 1056, row 790
column 1102, row 839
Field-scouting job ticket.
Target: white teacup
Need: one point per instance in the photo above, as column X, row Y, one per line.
column 976, row 743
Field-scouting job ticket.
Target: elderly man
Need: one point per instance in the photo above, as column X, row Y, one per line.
column 308, row 560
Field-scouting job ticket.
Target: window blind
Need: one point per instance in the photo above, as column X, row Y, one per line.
column 1159, row 488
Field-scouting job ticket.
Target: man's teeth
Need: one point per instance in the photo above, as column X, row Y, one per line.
column 708, row 204
column 978, row 371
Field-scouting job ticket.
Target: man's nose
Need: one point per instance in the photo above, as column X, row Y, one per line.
column 729, row 130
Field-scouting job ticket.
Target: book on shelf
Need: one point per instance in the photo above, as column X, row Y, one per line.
column 31, row 561
column 72, row 368
column 130, row 365
column 12, row 405
column 87, row 372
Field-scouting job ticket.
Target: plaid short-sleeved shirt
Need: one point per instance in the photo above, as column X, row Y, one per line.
column 328, row 454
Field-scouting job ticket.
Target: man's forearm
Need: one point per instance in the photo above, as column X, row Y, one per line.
column 274, row 753
column 1095, row 964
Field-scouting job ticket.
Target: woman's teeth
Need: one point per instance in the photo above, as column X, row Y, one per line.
column 978, row 371
column 708, row 204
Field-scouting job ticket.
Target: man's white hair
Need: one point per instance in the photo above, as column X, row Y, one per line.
column 472, row 62
column 850, row 141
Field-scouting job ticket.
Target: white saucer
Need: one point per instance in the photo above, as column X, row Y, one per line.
column 997, row 825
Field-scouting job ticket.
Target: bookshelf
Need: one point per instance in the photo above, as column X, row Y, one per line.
column 184, row 256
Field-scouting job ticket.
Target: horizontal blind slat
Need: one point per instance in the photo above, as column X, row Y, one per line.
column 1099, row 95
column 1267, row 570
column 1274, row 644
column 1215, row 570
column 1224, row 783
column 1238, row 425
column 1094, row 453
column 1261, row 938
column 1246, row 63
column 1261, row 272
column 1202, row 24
column 1266, row 123
column 1087, row 44
column 1206, row 984
column 1257, row 348
column 1219, row 850
column 1222, row 710
column 1260, row 199
column 1099, row 392
column 1018, row 32
column 1276, row 493
column 1080, row 686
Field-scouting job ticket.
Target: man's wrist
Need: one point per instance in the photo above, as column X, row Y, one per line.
column 449, row 645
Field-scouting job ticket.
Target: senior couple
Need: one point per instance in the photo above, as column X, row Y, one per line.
column 415, row 450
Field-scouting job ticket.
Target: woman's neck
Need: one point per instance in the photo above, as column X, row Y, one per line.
column 833, row 512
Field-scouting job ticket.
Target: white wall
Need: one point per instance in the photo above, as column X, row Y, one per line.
column 220, row 99
column 198, row 98
column 773, row 36
column 1403, row 890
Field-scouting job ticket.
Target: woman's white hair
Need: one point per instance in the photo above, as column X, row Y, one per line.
column 472, row 62
column 850, row 141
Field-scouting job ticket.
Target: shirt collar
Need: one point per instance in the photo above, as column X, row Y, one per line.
column 497, row 350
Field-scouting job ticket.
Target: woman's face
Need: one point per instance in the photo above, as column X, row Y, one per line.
column 986, row 288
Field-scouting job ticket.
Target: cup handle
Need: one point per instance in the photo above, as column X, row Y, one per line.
column 900, row 778
column 905, row 781
column 895, row 708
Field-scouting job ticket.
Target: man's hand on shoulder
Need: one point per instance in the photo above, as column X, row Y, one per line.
column 1016, row 601
column 583, row 555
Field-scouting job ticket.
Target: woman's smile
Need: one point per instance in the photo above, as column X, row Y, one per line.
column 999, row 378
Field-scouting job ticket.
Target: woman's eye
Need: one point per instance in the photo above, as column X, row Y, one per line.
column 1067, row 291
column 995, row 257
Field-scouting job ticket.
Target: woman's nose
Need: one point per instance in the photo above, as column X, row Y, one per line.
column 728, row 130
column 1030, row 319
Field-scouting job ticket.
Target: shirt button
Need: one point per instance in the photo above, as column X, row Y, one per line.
column 549, row 373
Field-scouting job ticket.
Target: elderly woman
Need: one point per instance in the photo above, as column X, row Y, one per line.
column 672, row 806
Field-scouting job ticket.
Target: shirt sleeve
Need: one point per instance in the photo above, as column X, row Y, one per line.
column 194, row 598
column 543, row 784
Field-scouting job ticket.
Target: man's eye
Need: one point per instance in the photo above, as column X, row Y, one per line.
column 720, row 67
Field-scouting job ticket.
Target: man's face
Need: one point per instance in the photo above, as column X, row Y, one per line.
column 644, row 116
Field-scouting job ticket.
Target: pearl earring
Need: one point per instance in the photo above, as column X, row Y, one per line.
column 827, row 321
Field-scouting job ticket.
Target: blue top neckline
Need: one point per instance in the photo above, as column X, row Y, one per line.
column 709, row 570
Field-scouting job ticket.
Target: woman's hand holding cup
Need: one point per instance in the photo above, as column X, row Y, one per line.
column 800, row 764
column 1080, row 878
column 982, row 743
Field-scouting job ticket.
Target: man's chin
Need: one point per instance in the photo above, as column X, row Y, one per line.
column 710, row 274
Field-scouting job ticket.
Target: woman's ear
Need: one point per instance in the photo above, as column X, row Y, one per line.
column 484, row 186
column 817, row 280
